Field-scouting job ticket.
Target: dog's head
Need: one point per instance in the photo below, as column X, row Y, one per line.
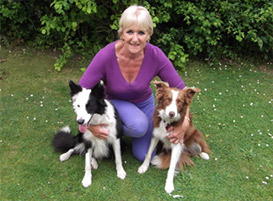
column 87, row 102
column 172, row 102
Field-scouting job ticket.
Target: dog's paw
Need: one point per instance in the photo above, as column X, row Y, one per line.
column 66, row 129
column 204, row 155
column 94, row 163
column 169, row 187
column 86, row 181
column 142, row 169
column 121, row 174
column 64, row 157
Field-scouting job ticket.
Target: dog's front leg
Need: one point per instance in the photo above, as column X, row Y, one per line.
column 145, row 165
column 87, row 179
column 120, row 171
column 65, row 156
column 176, row 151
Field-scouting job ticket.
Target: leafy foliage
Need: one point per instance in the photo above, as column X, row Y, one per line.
column 182, row 28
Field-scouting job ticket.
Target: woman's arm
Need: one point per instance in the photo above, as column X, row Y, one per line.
column 167, row 72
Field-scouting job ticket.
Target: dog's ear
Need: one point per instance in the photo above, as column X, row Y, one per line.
column 189, row 93
column 74, row 88
column 160, row 84
column 160, row 88
column 98, row 92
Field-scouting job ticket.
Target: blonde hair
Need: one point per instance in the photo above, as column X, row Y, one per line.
column 136, row 14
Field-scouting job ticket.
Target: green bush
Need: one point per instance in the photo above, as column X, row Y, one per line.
column 182, row 28
column 16, row 20
column 219, row 28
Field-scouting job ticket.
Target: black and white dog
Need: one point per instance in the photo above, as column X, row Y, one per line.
column 91, row 107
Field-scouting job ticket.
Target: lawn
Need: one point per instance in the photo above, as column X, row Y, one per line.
column 233, row 110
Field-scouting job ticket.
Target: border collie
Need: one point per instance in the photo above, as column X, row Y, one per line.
column 91, row 107
column 170, row 111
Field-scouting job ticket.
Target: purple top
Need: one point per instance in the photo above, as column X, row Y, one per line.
column 104, row 66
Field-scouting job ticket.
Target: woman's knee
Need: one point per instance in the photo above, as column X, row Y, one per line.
column 140, row 152
column 135, row 121
column 138, row 129
column 139, row 156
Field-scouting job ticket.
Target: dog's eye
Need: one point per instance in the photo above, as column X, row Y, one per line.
column 179, row 101
column 167, row 100
column 78, row 106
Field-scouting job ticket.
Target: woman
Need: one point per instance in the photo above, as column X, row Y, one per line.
column 127, row 67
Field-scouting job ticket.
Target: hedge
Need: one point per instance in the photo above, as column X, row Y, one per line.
column 206, row 29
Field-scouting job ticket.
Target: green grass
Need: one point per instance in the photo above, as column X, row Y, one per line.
column 233, row 110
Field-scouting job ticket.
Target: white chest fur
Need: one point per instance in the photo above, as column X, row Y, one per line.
column 162, row 134
column 100, row 146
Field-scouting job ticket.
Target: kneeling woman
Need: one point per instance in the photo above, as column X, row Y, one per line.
column 127, row 66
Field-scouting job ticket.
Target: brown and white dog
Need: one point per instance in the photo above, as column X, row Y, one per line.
column 171, row 111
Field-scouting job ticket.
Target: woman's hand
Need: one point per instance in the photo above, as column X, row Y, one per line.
column 177, row 133
column 100, row 131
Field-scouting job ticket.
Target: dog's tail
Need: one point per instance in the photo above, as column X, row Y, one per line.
column 163, row 160
column 63, row 140
column 197, row 145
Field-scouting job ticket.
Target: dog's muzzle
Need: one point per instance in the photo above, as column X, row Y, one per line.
column 171, row 114
column 80, row 121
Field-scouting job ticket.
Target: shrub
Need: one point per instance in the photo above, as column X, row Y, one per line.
column 17, row 22
column 183, row 29
column 220, row 28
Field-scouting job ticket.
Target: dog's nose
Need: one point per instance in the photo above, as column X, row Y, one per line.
column 171, row 114
column 80, row 121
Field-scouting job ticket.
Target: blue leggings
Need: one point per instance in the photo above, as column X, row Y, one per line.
column 137, row 123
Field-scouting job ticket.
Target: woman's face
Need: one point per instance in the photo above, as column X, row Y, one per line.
column 135, row 39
